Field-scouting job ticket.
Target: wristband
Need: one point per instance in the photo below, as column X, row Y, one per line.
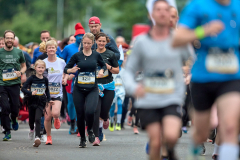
column 111, row 68
column 200, row 33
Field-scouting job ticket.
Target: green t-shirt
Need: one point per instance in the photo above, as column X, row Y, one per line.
column 10, row 61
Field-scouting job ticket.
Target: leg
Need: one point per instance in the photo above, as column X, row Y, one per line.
column 32, row 112
column 124, row 110
column 56, row 109
column 96, row 118
column 70, row 106
column 38, row 115
column 4, row 103
column 107, row 100
column 47, row 120
column 14, row 94
column 119, row 112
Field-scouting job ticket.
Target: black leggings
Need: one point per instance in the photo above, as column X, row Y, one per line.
column 185, row 108
column 35, row 115
column 124, row 109
column 82, row 98
column 134, row 112
column 103, row 108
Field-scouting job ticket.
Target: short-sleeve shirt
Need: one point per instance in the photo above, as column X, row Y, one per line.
column 10, row 61
column 201, row 12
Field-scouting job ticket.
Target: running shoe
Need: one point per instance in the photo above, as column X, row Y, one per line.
column 37, row 142
column 135, row 130
column 203, row 149
column 15, row 125
column 106, row 124
column 171, row 155
column 44, row 138
column 57, row 123
column 111, row 127
column 184, row 129
column 7, row 136
column 194, row 153
column 83, row 143
column 31, row 134
column 78, row 135
column 147, row 148
column 165, row 158
column 96, row 142
column 91, row 136
column 118, row 127
column 100, row 135
column 49, row 140
column 129, row 120
column 215, row 157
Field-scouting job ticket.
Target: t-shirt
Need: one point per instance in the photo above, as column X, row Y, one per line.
column 109, row 58
column 86, row 78
column 218, row 57
column 10, row 61
column 55, row 76
column 37, row 53
column 162, row 69
column 69, row 51
column 34, row 83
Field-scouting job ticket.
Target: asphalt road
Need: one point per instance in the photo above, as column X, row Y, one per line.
column 119, row 145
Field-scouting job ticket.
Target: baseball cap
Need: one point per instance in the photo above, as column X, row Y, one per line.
column 94, row 20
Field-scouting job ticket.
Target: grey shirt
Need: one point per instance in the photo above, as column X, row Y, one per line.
column 162, row 68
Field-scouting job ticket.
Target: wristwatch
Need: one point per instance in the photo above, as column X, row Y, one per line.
column 111, row 68
column 21, row 73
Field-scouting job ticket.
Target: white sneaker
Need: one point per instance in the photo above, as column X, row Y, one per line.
column 3, row 129
column 37, row 142
column 31, row 134
column 44, row 138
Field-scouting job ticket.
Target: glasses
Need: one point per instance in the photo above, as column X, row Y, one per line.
column 9, row 38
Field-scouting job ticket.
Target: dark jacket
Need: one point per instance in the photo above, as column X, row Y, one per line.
column 111, row 46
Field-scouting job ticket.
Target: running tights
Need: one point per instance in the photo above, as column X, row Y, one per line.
column 35, row 115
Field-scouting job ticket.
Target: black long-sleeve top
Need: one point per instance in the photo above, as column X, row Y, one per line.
column 86, row 78
column 35, row 83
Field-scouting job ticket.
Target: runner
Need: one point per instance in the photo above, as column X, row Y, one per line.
column 66, row 54
column 216, row 74
column 36, row 99
column 12, row 66
column 162, row 91
column 85, row 91
column 105, row 101
column 72, row 39
column 56, row 78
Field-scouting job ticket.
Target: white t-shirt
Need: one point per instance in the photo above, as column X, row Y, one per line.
column 55, row 76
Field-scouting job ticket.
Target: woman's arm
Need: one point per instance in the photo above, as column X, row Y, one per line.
column 68, row 68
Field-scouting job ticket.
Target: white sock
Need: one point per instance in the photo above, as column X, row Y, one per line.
column 216, row 147
column 119, row 117
column 228, row 151
column 100, row 123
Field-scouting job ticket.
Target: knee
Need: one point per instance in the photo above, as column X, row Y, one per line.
column 38, row 120
column 155, row 143
column 230, row 130
column 171, row 138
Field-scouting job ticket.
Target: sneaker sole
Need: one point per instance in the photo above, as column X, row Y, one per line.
column 48, row 143
column 7, row 139
column 37, row 143
column 96, row 144
column 82, row 146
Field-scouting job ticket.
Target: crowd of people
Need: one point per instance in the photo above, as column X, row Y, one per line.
column 179, row 71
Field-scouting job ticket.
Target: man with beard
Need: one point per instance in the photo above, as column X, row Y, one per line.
column 12, row 66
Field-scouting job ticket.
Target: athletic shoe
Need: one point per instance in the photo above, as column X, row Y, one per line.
column 91, row 136
column 31, row 134
column 49, row 140
column 15, row 125
column 57, row 123
column 184, row 129
column 106, row 124
column 203, row 149
column 44, row 138
column 111, row 127
column 129, row 120
column 83, row 143
column 147, row 148
column 194, row 152
column 78, row 135
column 135, row 130
column 165, row 158
column 7, row 136
column 96, row 142
column 37, row 142
column 118, row 127
column 100, row 134
column 171, row 155
column 215, row 157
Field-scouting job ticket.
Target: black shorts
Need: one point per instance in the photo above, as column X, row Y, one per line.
column 148, row 116
column 205, row 94
column 57, row 99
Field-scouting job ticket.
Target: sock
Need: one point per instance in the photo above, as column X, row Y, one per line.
column 215, row 151
column 228, row 151
column 100, row 123
column 111, row 119
column 119, row 117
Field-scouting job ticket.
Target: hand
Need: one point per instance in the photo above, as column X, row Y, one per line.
column 71, row 76
column 74, row 69
column 51, row 103
column 214, row 27
column 108, row 66
column 18, row 73
column 34, row 92
column 140, row 91
column 64, row 81
column 100, row 74
column 187, row 79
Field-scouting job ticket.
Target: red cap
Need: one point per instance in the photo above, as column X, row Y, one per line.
column 94, row 20
column 79, row 29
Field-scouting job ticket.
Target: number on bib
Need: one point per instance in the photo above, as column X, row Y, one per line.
column 9, row 74
column 54, row 88
column 86, row 78
column 39, row 87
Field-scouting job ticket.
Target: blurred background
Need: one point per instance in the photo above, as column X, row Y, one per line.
column 27, row 18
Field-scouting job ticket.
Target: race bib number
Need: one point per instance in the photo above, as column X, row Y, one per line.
column 86, row 78
column 9, row 74
column 40, row 88
column 118, row 81
column 54, row 88
column 226, row 63
column 105, row 74
column 160, row 83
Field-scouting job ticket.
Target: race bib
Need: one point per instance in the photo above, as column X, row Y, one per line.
column 40, row 88
column 118, row 81
column 9, row 74
column 86, row 78
column 226, row 63
column 54, row 88
column 105, row 73
column 161, row 83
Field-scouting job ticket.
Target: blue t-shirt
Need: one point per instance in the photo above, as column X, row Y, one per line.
column 37, row 53
column 68, row 52
column 200, row 12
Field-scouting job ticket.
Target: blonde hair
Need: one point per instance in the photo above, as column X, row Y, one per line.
column 90, row 36
column 42, row 47
column 39, row 62
column 50, row 43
